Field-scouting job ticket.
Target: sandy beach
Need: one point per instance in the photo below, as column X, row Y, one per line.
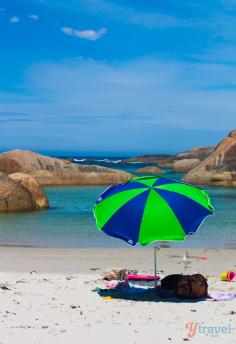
column 46, row 297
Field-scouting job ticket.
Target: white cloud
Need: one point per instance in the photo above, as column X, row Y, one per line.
column 67, row 30
column 14, row 20
column 91, row 35
column 34, row 16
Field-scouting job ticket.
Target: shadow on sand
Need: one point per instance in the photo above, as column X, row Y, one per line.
column 150, row 295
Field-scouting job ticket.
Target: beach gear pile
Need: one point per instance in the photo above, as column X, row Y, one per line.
column 124, row 284
column 186, row 286
column 176, row 285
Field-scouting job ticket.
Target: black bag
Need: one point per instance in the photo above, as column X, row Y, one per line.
column 192, row 287
column 186, row 286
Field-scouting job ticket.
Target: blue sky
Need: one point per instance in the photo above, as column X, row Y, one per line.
column 117, row 76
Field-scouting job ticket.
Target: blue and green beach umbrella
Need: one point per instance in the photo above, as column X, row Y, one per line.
column 149, row 209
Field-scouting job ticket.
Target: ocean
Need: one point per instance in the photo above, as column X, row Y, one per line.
column 69, row 222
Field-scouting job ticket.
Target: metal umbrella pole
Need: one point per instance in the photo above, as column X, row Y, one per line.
column 156, row 248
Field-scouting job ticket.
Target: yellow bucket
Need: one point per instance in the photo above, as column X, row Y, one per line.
column 224, row 276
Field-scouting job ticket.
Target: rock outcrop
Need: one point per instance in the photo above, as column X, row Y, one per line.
column 166, row 160
column 167, row 163
column 16, row 197
column 54, row 171
column 186, row 161
column 185, row 165
column 218, row 169
column 33, row 187
column 155, row 158
column 150, row 170
column 200, row 153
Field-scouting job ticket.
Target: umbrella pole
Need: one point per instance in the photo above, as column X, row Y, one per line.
column 156, row 248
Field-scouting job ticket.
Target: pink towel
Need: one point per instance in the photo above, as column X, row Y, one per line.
column 136, row 277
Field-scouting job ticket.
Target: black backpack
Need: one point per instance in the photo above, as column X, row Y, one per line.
column 186, row 286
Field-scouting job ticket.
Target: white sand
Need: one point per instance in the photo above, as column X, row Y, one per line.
column 55, row 303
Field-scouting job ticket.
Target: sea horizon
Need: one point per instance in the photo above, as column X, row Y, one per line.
column 93, row 153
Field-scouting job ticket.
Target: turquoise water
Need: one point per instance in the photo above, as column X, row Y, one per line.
column 70, row 223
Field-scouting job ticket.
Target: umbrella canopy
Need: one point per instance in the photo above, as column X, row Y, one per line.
column 149, row 209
